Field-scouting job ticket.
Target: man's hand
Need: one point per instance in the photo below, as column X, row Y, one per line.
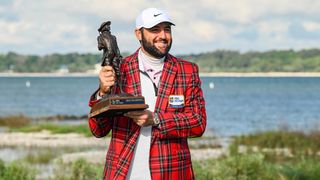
column 107, row 79
column 141, row 118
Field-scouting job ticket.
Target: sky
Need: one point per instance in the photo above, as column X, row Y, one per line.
column 42, row 27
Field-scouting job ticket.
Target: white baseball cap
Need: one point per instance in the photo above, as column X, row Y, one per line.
column 151, row 17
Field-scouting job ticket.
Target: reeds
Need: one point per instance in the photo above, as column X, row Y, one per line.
column 15, row 121
column 295, row 141
column 261, row 158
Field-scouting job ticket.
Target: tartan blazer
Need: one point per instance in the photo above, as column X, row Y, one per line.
column 169, row 152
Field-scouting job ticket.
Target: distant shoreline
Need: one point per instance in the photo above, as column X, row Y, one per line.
column 48, row 75
column 261, row 74
column 216, row 74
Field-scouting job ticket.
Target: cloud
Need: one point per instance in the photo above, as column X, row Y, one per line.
column 304, row 31
column 43, row 27
column 250, row 11
column 311, row 26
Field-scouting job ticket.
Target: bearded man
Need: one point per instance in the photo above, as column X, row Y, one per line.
column 152, row 143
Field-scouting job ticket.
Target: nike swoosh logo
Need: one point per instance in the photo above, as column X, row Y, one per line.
column 155, row 15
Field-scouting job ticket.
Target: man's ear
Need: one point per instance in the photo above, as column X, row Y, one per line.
column 138, row 34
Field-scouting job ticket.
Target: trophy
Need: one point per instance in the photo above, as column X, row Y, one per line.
column 113, row 104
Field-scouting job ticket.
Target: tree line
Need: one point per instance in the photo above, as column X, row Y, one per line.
column 215, row 61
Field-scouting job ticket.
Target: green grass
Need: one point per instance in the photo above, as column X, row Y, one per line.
column 43, row 156
column 304, row 164
column 78, row 170
column 16, row 170
column 56, row 129
column 297, row 142
column 242, row 166
column 256, row 166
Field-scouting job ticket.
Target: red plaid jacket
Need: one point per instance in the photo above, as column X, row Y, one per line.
column 169, row 152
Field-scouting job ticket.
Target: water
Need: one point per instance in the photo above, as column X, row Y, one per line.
column 242, row 105
column 43, row 96
column 234, row 105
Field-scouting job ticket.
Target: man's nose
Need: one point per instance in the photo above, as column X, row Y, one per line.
column 163, row 34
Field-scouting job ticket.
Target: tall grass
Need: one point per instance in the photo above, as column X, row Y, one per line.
column 43, row 156
column 246, row 166
column 304, row 164
column 305, row 168
column 16, row 171
column 297, row 142
column 78, row 170
column 15, row 121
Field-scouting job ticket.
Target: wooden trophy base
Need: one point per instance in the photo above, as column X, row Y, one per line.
column 115, row 105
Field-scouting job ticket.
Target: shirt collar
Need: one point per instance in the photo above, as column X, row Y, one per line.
column 147, row 63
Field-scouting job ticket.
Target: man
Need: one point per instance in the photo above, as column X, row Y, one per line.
column 152, row 144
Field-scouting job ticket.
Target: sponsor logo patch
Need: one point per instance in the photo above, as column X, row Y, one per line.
column 176, row 101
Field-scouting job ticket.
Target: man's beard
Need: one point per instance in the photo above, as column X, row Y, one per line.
column 152, row 50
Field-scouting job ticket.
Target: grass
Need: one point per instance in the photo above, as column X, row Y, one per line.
column 77, row 170
column 56, row 129
column 43, row 156
column 256, row 166
column 23, row 123
column 62, row 117
column 15, row 121
column 304, row 164
column 297, row 142
column 16, row 170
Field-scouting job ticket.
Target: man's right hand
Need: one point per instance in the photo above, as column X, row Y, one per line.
column 107, row 79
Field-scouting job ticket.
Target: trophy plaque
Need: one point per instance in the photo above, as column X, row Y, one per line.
column 114, row 104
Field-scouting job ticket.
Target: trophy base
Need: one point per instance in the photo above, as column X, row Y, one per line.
column 115, row 105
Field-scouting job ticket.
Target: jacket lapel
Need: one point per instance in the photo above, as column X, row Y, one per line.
column 166, row 83
column 133, row 78
column 133, row 86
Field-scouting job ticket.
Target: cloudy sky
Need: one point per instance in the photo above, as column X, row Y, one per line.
column 61, row 26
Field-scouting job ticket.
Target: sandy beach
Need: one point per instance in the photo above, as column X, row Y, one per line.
column 45, row 139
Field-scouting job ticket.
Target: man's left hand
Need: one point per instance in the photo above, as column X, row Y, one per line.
column 141, row 118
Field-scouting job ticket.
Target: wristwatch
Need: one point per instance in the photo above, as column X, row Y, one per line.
column 156, row 120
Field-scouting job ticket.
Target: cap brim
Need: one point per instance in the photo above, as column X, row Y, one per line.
column 154, row 24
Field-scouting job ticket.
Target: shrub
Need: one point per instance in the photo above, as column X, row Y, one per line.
column 16, row 171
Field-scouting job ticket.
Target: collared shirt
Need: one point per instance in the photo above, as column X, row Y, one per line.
column 152, row 66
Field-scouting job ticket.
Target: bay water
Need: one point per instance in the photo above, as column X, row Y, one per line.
column 235, row 105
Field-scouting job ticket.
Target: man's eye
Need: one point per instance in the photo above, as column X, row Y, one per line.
column 154, row 30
